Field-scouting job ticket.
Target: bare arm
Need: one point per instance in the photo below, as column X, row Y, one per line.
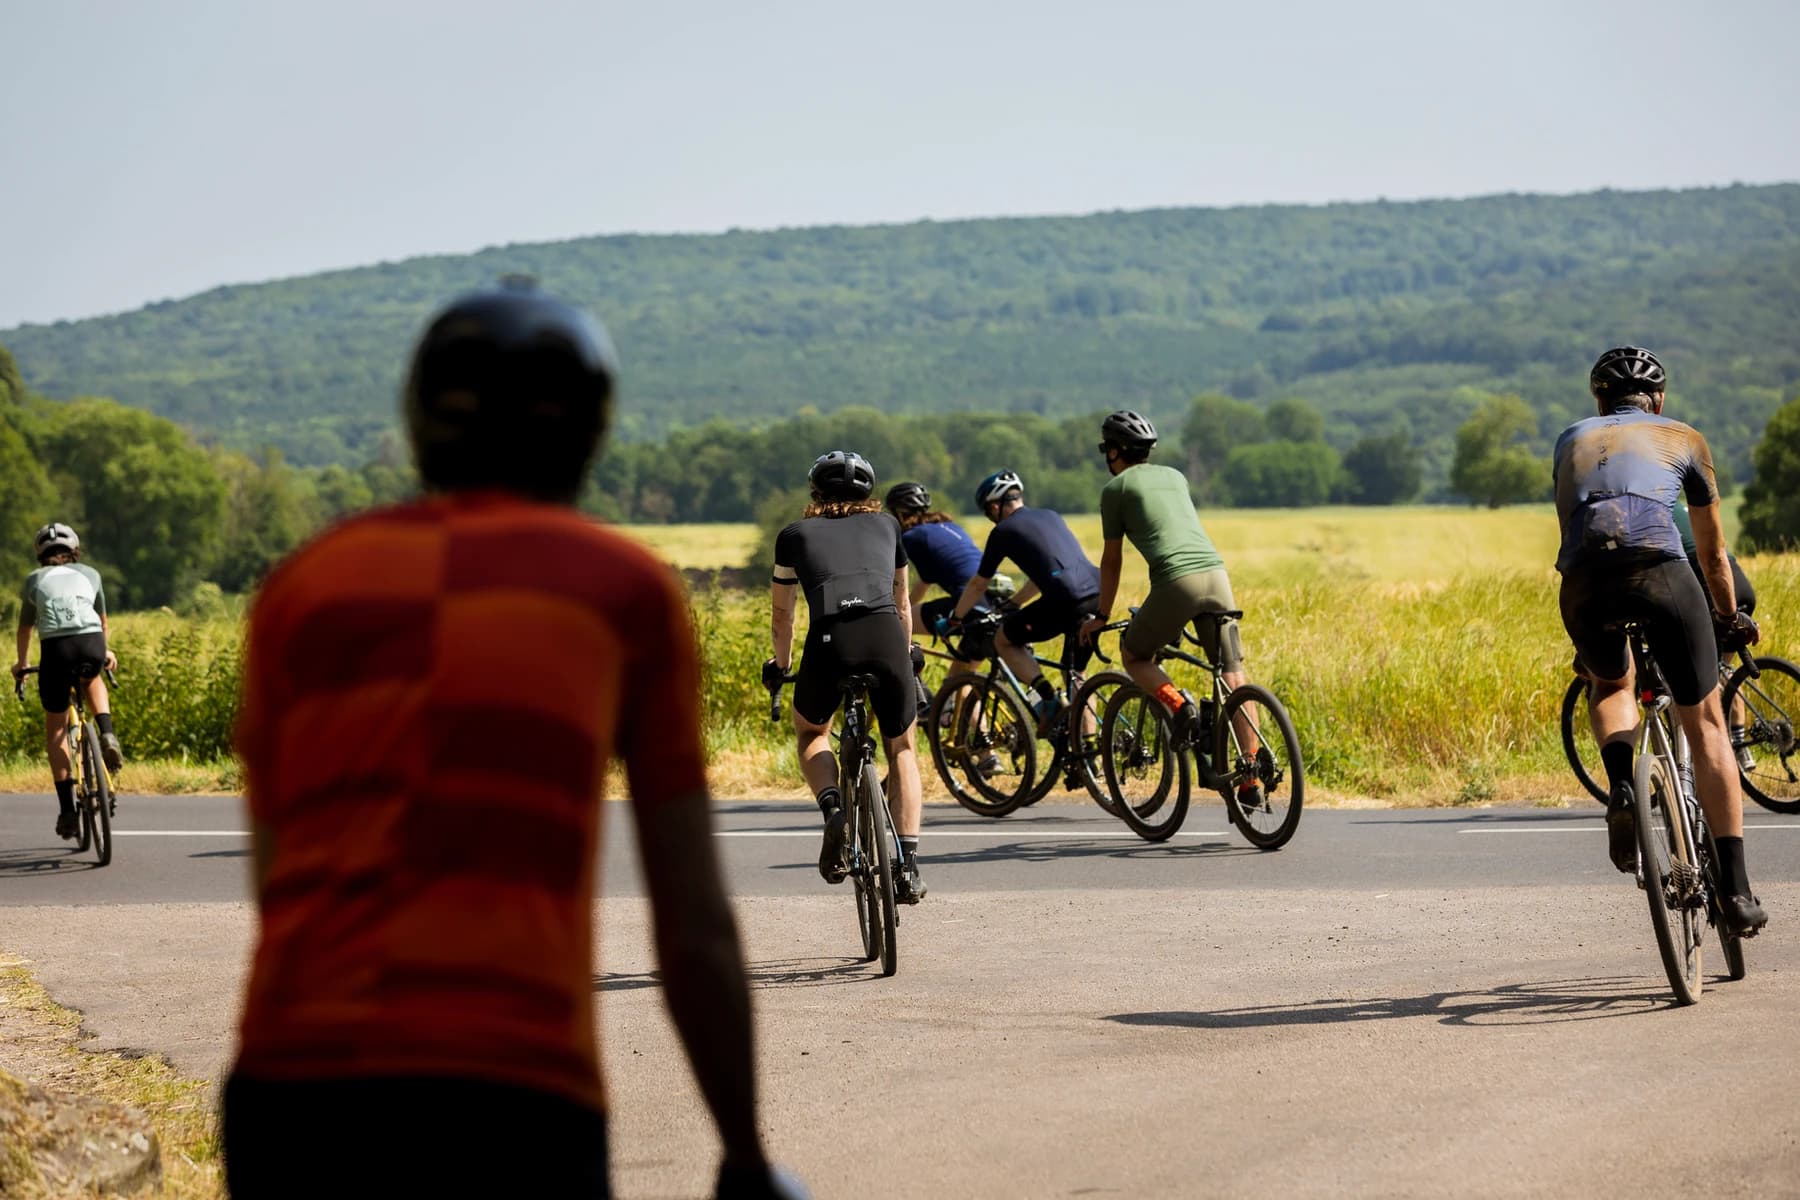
column 24, row 659
column 781, row 621
column 1709, row 546
column 972, row 591
column 903, row 602
column 1112, row 561
column 702, row 964
column 914, row 599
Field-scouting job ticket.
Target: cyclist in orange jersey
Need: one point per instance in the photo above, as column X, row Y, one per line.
column 432, row 694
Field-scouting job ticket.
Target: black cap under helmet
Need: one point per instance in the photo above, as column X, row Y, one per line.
column 510, row 388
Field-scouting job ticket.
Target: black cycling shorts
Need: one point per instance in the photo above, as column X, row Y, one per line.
column 65, row 661
column 1044, row 619
column 975, row 646
column 1667, row 600
column 870, row 644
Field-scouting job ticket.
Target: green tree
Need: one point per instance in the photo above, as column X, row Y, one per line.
column 1771, row 512
column 1294, row 421
column 148, row 498
column 1215, row 426
column 12, row 386
column 1494, row 464
column 27, row 500
column 1383, row 469
column 1282, row 475
column 777, row 511
column 268, row 511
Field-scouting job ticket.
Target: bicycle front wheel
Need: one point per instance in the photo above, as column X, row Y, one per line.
column 1670, row 875
column 1767, row 708
column 1086, row 716
column 1146, row 777
column 881, row 827
column 1257, row 756
column 1578, row 742
column 982, row 744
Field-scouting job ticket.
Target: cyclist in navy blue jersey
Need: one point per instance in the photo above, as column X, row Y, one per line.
column 1059, row 574
column 943, row 555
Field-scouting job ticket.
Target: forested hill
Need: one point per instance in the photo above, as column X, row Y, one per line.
column 1373, row 312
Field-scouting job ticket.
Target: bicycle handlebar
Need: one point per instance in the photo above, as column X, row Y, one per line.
column 19, row 680
column 775, row 695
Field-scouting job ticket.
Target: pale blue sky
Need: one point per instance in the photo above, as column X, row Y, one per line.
column 152, row 150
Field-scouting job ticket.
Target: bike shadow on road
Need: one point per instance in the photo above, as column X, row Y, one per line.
column 23, row 862
column 1535, row 816
column 775, row 973
column 1547, row 1002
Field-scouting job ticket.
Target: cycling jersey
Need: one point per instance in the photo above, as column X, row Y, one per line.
column 1041, row 543
column 412, row 769
column 942, row 554
column 1741, row 588
column 1617, row 477
column 846, row 564
column 63, row 600
column 1150, row 505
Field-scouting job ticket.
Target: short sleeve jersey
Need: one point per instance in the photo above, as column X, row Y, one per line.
column 846, row 564
column 943, row 554
column 1150, row 505
column 63, row 601
column 1041, row 542
column 432, row 694
column 1617, row 479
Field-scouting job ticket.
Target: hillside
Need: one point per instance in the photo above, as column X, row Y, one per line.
column 1374, row 312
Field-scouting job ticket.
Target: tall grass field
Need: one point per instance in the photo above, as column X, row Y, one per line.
column 1419, row 650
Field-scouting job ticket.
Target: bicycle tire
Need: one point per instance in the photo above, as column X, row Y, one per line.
column 1731, row 946
column 1042, row 784
column 881, row 823
column 96, row 803
column 862, row 874
column 982, row 718
column 84, row 823
column 1660, row 857
column 1136, row 749
column 1091, row 699
column 1280, row 774
column 1578, row 736
column 1771, row 716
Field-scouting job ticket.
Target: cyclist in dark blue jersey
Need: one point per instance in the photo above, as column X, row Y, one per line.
column 1056, row 569
column 1618, row 475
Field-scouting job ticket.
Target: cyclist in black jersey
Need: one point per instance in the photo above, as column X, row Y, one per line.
column 1618, row 475
column 1056, row 568
column 846, row 555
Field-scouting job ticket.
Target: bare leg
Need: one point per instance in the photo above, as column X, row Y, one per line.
column 1018, row 660
column 905, row 799
column 818, row 765
column 56, row 743
column 1715, row 770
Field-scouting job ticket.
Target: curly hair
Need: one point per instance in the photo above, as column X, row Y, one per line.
column 919, row 516
column 840, row 508
column 59, row 556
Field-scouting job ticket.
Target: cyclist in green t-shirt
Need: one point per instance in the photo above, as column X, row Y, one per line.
column 1150, row 505
column 64, row 600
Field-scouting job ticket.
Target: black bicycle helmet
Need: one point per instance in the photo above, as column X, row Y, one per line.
column 1626, row 371
column 510, row 388
column 1128, row 431
column 841, row 475
column 997, row 487
column 908, row 497
column 54, row 537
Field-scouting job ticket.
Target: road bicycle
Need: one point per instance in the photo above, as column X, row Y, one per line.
column 95, row 803
column 873, row 848
column 1761, row 701
column 1243, row 739
column 1678, row 863
column 983, row 734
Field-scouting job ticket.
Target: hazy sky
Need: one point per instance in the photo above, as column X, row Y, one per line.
column 151, row 150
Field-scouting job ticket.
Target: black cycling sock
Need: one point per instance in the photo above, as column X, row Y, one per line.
column 829, row 800
column 65, row 795
column 1735, row 875
column 909, row 851
column 1617, row 758
column 1042, row 687
column 104, row 720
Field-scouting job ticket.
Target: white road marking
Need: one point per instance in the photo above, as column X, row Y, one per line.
column 1011, row 835
column 1566, row 828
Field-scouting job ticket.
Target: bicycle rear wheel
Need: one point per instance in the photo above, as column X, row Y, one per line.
column 1086, row 716
column 1769, row 713
column 1147, row 779
column 1669, row 875
column 1578, row 740
column 881, row 829
column 1268, row 817
column 1731, row 946
column 96, row 795
column 982, row 744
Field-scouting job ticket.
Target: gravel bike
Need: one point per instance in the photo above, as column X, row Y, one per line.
column 95, row 803
column 1243, row 746
column 873, row 847
column 1761, row 702
column 1678, row 864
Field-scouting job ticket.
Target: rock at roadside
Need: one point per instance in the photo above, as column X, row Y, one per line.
column 52, row 1144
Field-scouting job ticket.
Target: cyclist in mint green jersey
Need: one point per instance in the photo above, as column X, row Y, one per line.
column 64, row 601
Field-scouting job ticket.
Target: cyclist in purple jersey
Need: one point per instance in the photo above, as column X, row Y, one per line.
column 1618, row 475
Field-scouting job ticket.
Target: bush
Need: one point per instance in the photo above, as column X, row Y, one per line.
column 1771, row 512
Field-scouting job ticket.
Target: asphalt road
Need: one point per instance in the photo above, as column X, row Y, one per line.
column 1462, row 1002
